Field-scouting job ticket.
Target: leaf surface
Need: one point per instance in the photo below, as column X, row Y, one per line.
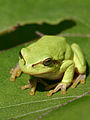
column 31, row 11
column 16, row 104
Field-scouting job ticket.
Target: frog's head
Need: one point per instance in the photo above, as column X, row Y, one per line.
column 36, row 63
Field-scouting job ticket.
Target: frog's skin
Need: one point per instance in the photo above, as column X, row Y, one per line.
column 52, row 58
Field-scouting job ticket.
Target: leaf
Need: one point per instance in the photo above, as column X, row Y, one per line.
column 28, row 32
column 78, row 109
column 24, row 12
column 18, row 104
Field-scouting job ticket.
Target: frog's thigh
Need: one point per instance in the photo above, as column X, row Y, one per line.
column 68, row 69
column 80, row 65
column 15, row 72
column 79, row 60
column 51, row 86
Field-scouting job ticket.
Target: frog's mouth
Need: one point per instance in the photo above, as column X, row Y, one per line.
column 43, row 67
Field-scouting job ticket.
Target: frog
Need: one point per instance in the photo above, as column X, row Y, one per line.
column 52, row 58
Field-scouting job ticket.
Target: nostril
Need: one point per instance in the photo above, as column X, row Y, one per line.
column 33, row 65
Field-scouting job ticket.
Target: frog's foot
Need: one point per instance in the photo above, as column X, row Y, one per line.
column 80, row 78
column 61, row 86
column 25, row 87
column 32, row 92
column 29, row 85
column 15, row 72
column 50, row 86
column 32, row 84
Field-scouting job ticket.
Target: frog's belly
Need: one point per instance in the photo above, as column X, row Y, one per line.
column 50, row 76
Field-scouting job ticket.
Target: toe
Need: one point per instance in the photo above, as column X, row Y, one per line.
column 50, row 93
column 31, row 93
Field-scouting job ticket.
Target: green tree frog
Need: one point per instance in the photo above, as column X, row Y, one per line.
column 51, row 58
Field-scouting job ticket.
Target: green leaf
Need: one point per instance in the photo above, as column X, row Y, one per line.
column 18, row 104
column 76, row 110
column 27, row 33
column 23, row 12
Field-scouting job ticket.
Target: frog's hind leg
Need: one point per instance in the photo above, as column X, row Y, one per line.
column 51, row 86
column 68, row 69
column 47, row 86
column 58, row 87
column 80, row 65
column 43, row 82
column 15, row 72
column 80, row 78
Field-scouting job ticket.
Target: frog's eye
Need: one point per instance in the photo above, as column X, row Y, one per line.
column 47, row 61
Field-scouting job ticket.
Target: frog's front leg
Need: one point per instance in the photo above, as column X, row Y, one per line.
column 80, row 65
column 68, row 69
column 32, row 84
column 15, row 72
column 29, row 85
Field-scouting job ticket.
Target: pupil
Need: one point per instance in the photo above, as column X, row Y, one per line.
column 47, row 61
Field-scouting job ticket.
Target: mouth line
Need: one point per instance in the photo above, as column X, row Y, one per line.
column 36, row 63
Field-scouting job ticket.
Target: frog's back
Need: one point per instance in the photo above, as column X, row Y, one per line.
column 49, row 45
column 52, row 41
column 49, row 41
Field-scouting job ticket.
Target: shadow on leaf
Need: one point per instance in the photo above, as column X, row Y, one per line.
column 26, row 33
